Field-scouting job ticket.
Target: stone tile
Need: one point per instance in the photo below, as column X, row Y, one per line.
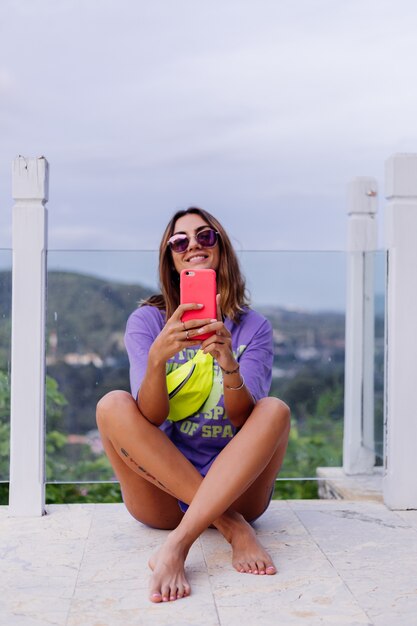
column 30, row 610
column 409, row 517
column 61, row 522
column 39, row 564
column 279, row 519
column 125, row 600
column 113, row 582
column 133, row 609
column 118, row 547
column 310, row 604
column 307, row 589
column 374, row 551
column 42, row 554
column 86, row 565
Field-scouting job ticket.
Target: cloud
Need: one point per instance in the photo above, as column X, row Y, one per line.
column 263, row 109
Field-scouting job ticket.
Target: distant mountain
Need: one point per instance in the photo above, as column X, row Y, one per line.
column 84, row 313
column 86, row 319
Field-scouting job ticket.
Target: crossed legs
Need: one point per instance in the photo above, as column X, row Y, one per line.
column 153, row 474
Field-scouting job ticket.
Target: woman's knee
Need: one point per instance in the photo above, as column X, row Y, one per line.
column 148, row 519
column 277, row 410
column 112, row 404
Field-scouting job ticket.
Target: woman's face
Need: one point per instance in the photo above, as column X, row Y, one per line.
column 195, row 256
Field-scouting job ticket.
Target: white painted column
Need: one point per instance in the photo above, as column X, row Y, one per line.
column 27, row 419
column 400, row 482
column 359, row 458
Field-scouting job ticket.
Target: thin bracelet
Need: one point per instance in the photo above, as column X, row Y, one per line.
column 237, row 388
column 231, row 371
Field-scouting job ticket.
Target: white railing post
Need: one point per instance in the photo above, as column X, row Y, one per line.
column 27, row 418
column 358, row 438
column 400, row 482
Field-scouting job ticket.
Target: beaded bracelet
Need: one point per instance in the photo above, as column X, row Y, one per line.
column 237, row 388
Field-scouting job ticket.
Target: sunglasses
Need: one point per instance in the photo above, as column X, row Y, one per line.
column 205, row 238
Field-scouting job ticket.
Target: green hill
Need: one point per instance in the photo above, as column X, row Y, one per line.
column 85, row 312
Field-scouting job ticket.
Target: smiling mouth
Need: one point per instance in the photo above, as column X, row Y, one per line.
column 197, row 257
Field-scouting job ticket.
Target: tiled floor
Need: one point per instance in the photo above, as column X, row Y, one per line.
column 85, row 565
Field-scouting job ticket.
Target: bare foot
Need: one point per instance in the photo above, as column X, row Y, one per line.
column 168, row 580
column 249, row 556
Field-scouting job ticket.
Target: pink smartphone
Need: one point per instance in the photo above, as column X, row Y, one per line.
column 199, row 286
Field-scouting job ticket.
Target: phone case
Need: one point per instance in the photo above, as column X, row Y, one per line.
column 199, row 286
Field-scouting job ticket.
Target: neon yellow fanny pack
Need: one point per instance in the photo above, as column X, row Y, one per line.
column 189, row 386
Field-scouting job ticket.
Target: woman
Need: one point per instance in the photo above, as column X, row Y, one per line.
column 223, row 460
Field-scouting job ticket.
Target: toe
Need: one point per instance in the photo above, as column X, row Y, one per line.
column 181, row 591
column 271, row 570
column 253, row 567
column 239, row 567
column 156, row 597
column 165, row 593
column 175, row 591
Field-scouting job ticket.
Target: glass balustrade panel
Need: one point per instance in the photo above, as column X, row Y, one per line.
column 303, row 295
column 373, row 425
column 5, row 345
column 90, row 296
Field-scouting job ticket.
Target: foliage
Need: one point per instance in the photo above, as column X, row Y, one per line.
column 88, row 315
column 318, row 443
column 4, row 424
column 83, row 493
column 295, row 490
column 4, row 396
column 64, row 461
column 83, row 386
column 5, row 316
column 55, row 402
column 315, row 396
column 4, row 493
column 74, row 462
column 4, row 449
column 58, row 493
column 315, row 440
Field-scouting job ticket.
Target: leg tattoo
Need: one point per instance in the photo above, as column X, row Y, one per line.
column 142, row 470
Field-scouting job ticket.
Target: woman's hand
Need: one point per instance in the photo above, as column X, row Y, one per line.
column 238, row 400
column 218, row 345
column 177, row 335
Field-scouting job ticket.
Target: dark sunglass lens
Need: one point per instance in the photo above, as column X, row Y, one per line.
column 180, row 244
column 207, row 238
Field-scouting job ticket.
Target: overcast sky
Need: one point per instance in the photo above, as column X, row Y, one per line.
column 260, row 111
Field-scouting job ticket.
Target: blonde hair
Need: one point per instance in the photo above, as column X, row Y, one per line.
column 230, row 281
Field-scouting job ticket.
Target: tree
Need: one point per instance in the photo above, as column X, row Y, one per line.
column 60, row 463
